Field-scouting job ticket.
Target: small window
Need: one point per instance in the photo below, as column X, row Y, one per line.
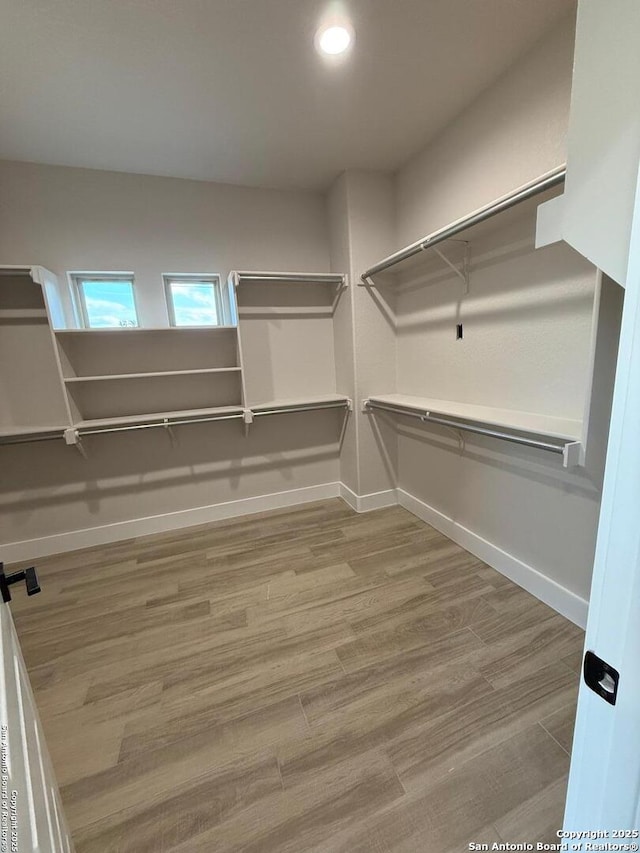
column 194, row 300
column 105, row 300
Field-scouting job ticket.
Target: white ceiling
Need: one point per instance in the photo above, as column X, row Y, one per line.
column 233, row 90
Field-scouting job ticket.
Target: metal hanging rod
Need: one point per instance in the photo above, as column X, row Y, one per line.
column 301, row 277
column 27, row 439
column 73, row 436
column 287, row 410
column 427, row 417
column 546, row 182
column 167, row 424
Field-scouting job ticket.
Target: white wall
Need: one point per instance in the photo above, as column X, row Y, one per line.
column 511, row 134
column 84, row 219
column 517, row 499
column 69, row 219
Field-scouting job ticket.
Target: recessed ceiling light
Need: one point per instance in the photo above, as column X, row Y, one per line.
column 334, row 40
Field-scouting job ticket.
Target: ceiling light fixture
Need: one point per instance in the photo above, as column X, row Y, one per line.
column 334, row 40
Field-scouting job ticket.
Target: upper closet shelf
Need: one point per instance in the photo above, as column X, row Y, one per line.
column 301, row 404
column 557, row 435
column 238, row 277
column 546, row 182
column 121, row 330
column 157, row 374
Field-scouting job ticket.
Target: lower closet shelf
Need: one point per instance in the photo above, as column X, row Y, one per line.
column 159, row 417
column 557, row 435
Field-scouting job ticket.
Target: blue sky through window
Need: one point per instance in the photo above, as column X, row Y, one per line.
column 194, row 303
column 109, row 303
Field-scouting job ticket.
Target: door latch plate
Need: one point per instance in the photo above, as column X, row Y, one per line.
column 601, row 677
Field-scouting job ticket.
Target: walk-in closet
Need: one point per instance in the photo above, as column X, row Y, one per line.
column 316, row 372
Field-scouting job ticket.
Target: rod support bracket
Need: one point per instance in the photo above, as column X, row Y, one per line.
column 572, row 454
column 461, row 271
column 247, row 416
column 73, row 438
column 170, row 432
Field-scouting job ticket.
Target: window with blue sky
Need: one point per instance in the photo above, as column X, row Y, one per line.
column 194, row 300
column 106, row 301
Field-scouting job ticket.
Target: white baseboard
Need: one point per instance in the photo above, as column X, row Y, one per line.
column 60, row 543
column 366, row 503
column 547, row 590
column 561, row 599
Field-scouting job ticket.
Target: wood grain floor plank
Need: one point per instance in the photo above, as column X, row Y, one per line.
column 309, row 679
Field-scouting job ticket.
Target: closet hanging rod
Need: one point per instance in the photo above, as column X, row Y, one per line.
column 157, row 424
column 426, row 417
column 310, row 278
column 26, row 439
column 546, row 182
column 287, row 410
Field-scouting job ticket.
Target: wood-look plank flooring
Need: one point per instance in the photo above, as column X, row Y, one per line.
column 300, row 680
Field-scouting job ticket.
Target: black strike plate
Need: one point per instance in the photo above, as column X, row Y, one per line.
column 601, row 678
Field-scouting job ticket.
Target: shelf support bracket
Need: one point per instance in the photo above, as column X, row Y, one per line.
column 571, row 454
column 72, row 438
column 463, row 271
column 170, row 432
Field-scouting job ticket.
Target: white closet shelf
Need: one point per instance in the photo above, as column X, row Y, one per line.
column 120, row 330
column 23, row 314
column 300, row 402
column 285, row 310
column 563, row 429
column 159, row 417
column 240, row 276
column 24, row 430
column 105, row 377
column 545, row 182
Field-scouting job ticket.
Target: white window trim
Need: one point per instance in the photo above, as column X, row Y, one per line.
column 212, row 277
column 77, row 294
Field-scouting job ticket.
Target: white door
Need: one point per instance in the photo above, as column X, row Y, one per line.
column 604, row 783
column 31, row 817
column 602, row 220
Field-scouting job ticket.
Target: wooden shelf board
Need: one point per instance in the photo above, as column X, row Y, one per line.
column 105, row 377
column 299, row 401
column 143, row 330
column 269, row 277
column 20, row 430
column 530, row 422
column 23, row 314
column 287, row 310
column 185, row 414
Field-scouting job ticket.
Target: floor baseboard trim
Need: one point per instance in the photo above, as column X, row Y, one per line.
column 547, row 590
column 366, row 503
column 106, row 534
column 561, row 599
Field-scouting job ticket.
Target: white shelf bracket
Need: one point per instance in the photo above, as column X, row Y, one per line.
column 247, row 418
column 572, row 454
column 72, row 438
column 170, row 432
column 463, row 271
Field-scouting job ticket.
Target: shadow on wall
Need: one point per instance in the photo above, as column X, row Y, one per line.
column 217, row 457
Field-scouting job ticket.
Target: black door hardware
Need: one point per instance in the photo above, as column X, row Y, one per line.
column 601, row 678
column 29, row 576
